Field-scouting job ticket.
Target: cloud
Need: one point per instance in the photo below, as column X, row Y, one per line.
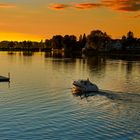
column 86, row 5
column 122, row 5
column 136, row 16
column 7, row 5
column 81, row 6
column 58, row 6
column 117, row 5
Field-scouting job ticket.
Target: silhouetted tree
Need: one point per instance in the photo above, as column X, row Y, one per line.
column 70, row 45
column 130, row 35
column 130, row 40
column 97, row 39
column 48, row 45
column 82, row 41
column 57, row 42
column 123, row 42
column 11, row 45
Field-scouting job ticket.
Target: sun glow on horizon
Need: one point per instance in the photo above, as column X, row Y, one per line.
column 19, row 37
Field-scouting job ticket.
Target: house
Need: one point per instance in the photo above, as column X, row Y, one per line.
column 116, row 45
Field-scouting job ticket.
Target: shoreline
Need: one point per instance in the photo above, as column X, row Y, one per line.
column 110, row 54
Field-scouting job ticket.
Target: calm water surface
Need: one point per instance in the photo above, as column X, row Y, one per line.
column 38, row 103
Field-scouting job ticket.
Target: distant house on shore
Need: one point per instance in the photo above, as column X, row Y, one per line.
column 115, row 45
column 107, row 46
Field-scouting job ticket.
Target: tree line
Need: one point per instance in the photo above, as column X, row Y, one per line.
column 96, row 42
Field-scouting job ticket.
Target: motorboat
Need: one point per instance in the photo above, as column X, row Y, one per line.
column 84, row 86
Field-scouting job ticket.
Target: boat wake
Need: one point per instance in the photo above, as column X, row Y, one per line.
column 112, row 95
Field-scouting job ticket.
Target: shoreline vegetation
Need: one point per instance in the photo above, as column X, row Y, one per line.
column 96, row 43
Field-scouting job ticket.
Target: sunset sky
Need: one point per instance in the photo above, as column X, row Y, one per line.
column 41, row 19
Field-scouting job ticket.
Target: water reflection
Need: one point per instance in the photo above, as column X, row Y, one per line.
column 107, row 72
column 54, row 54
column 97, row 64
column 125, row 57
column 129, row 67
column 28, row 53
column 11, row 53
column 47, row 54
column 21, row 53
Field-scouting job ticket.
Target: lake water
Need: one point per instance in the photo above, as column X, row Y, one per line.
column 38, row 103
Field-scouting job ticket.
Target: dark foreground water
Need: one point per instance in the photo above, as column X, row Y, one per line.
column 38, row 103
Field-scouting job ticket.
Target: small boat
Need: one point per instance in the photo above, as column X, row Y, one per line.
column 84, row 86
column 4, row 79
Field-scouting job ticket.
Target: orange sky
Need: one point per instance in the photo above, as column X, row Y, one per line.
column 41, row 19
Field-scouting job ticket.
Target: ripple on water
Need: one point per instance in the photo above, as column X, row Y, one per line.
column 39, row 104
